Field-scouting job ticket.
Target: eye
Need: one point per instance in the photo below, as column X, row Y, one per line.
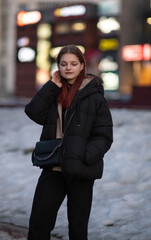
column 63, row 64
column 74, row 63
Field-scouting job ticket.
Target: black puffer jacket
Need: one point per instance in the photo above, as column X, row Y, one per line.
column 89, row 134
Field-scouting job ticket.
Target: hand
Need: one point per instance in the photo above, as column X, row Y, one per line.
column 56, row 78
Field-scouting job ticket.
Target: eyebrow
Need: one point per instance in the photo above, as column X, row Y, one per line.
column 71, row 61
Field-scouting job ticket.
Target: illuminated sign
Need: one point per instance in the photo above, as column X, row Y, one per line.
column 25, row 18
column 42, row 58
column 108, row 64
column 43, row 63
column 42, row 76
column 111, row 44
column 110, row 80
column 65, row 27
column 77, row 10
column 23, row 41
column 107, row 25
column 54, row 51
column 26, row 54
column 78, row 26
column 44, row 31
column 149, row 20
column 136, row 52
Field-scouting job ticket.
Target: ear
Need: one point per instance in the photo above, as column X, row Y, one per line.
column 82, row 66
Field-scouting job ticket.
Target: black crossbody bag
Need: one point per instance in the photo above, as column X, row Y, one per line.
column 49, row 152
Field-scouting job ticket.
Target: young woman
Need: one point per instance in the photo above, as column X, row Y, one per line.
column 88, row 137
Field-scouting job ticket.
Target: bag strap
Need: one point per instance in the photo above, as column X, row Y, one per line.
column 68, row 122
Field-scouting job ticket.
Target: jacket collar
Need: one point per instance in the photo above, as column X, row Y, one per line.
column 85, row 82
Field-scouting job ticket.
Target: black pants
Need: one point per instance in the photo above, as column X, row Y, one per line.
column 51, row 190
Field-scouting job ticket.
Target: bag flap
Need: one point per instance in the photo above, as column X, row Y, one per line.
column 46, row 146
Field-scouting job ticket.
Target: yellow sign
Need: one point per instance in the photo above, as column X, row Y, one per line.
column 106, row 44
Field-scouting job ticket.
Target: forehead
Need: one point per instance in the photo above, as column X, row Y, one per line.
column 69, row 57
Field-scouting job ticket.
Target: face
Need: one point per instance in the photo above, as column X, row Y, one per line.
column 70, row 67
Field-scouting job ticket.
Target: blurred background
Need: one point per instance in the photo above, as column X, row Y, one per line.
column 115, row 36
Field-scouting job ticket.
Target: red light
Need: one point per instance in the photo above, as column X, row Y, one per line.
column 20, row 18
column 146, row 52
column 136, row 52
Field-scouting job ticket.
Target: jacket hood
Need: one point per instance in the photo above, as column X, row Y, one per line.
column 92, row 84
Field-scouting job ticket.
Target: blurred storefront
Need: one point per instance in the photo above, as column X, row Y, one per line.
column 135, row 69
column 113, row 34
column 53, row 28
column 93, row 27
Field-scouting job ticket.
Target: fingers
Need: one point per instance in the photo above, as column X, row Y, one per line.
column 56, row 78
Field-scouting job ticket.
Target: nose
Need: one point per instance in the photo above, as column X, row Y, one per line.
column 68, row 66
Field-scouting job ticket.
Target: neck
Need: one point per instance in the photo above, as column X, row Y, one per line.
column 70, row 84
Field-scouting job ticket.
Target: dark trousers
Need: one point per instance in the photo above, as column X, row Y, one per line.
column 51, row 190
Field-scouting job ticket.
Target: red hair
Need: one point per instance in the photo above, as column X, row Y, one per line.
column 65, row 95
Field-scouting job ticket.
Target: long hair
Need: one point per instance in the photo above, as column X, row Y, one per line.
column 65, row 95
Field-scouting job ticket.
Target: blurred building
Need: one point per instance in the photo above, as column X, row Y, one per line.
column 135, row 51
column 8, row 37
column 39, row 43
column 113, row 34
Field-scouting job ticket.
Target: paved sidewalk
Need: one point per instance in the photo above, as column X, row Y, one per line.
column 12, row 232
